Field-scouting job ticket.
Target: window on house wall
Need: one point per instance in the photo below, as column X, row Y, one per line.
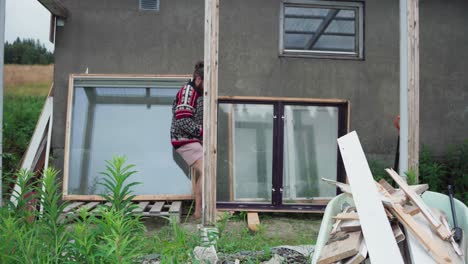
column 330, row 29
column 129, row 116
column 272, row 153
column 149, row 5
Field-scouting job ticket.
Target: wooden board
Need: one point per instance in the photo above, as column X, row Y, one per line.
column 387, row 186
column 411, row 209
column 162, row 197
column 360, row 256
column 141, row 207
column 418, row 231
column 284, row 99
column 350, row 225
column 418, row 252
column 72, row 206
column 157, row 207
column 417, row 201
column 346, row 216
column 342, row 249
column 376, row 228
column 253, row 221
column 336, row 225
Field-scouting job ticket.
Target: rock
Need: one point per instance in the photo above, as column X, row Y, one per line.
column 206, row 254
column 306, row 250
column 276, row 259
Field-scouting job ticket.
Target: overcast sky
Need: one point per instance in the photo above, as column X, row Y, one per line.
column 27, row 19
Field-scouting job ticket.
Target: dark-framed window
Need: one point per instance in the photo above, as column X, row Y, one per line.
column 322, row 29
column 272, row 152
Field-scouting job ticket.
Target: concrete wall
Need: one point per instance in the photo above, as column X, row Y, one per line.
column 112, row 36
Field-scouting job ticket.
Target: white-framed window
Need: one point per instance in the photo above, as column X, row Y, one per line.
column 324, row 29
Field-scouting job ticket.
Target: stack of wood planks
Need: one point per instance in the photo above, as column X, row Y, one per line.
column 373, row 230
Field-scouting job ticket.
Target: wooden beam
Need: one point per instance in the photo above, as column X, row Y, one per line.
column 409, row 86
column 160, row 197
column 413, row 86
column 285, row 99
column 210, row 113
column 55, row 7
column 443, row 232
column 341, row 249
column 376, row 228
column 253, row 221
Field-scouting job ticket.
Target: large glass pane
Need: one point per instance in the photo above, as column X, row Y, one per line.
column 245, row 153
column 129, row 121
column 310, row 152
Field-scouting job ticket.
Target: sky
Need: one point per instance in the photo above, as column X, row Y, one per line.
column 27, row 19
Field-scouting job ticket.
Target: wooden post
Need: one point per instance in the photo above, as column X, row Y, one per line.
column 413, row 86
column 210, row 111
column 409, row 86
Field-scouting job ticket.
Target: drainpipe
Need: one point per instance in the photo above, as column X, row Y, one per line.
column 403, row 88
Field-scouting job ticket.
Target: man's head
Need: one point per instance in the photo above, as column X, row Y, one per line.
column 198, row 75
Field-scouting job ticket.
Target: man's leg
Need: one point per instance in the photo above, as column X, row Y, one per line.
column 198, row 166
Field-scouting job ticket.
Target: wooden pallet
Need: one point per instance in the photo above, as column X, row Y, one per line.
column 145, row 208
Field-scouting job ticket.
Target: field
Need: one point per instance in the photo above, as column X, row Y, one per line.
column 26, row 87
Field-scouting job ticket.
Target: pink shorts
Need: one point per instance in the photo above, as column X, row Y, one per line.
column 191, row 152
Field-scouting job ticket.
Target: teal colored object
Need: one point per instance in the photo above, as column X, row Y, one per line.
column 433, row 199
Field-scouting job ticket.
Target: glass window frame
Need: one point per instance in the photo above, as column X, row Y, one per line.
column 359, row 28
column 101, row 80
column 317, row 204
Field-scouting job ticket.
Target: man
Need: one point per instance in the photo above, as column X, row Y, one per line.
column 187, row 128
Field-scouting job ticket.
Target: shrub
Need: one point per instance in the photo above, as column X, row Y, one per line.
column 30, row 236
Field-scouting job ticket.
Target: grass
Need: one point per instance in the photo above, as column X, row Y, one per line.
column 26, row 87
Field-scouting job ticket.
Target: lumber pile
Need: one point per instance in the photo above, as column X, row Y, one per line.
column 373, row 230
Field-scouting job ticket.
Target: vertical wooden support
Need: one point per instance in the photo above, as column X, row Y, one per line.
column 210, row 112
column 413, row 86
column 409, row 86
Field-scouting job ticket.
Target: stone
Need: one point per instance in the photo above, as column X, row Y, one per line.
column 276, row 259
column 206, row 254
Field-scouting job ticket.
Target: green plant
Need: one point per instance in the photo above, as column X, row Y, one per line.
column 411, row 177
column 30, row 236
column 378, row 171
column 50, row 218
column 118, row 192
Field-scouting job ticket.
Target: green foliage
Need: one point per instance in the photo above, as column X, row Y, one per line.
column 27, row 51
column 118, row 193
column 30, row 236
column 437, row 172
column 378, row 170
column 411, row 177
column 20, row 115
column 452, row 169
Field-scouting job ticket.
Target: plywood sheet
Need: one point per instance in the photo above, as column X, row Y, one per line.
column 376, row 228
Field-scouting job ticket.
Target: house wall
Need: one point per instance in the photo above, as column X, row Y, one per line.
column 113, row 36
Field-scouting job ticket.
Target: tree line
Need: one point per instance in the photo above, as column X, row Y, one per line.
column 27, row 51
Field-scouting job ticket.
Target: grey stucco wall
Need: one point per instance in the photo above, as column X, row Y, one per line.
column 112, row 36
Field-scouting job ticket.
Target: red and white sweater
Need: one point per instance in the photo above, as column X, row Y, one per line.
column 187, row 116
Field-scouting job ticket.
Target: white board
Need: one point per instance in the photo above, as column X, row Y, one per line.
column 376, row 228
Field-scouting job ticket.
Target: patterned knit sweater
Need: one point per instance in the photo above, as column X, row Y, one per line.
column 187, row 116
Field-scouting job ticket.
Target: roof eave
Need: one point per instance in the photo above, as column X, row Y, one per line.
column 55, row 7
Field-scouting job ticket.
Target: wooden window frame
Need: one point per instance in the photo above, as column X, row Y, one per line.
column 71, row 88
column 313, row 205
